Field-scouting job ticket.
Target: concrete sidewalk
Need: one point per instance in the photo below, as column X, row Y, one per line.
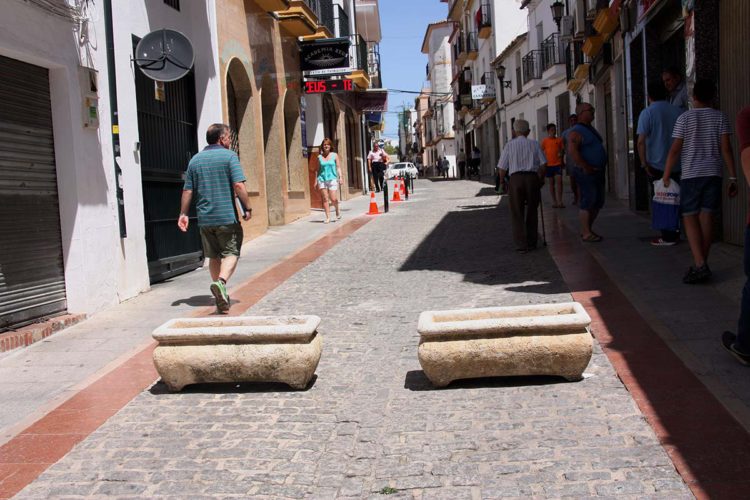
column 50, row 371
column 689, row 318
column 371, row 423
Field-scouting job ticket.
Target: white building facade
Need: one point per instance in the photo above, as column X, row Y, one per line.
column 439, row 118
column 93, row 246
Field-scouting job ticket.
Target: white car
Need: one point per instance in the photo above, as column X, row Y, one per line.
column 402, row 169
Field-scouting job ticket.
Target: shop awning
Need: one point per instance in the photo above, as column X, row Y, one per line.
column 363, row 101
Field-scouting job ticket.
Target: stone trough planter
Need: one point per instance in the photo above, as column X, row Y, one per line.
column 238, row 349
column 544, row 339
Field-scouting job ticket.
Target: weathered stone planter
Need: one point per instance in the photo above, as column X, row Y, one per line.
column 545, row 339
column 238, row 349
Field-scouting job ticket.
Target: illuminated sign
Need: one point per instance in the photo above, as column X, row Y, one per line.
column 320, row 86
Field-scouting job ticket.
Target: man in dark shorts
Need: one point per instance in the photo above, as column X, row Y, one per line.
column 739, row 345
column 215, row 176
column 702, row 145
column 586, row 146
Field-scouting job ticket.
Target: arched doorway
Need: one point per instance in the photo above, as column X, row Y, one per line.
column 330, row 120
column 240, row 120
column 353, row 173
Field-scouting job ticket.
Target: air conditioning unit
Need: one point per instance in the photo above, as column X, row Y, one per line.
column 567, row 27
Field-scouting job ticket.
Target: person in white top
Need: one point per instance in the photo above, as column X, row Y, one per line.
column 376, row 162
column 525, row 162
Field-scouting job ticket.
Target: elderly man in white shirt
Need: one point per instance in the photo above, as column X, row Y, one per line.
column 525, row 162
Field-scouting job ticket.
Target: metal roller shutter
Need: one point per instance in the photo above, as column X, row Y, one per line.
column 32, row 282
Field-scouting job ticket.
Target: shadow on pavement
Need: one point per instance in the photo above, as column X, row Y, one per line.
column 160, row 389
column 416, row 380
column 195, row 301
column 475, row 241
column 487, row 191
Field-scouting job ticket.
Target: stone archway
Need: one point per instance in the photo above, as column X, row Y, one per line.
column 241, row 120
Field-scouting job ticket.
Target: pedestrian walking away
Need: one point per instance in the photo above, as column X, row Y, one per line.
column 553, row 150
column 461, row 157
column 586, row 146
column 213, row 178
column 739, row 345
column 445, row 167
column 524, row 161
column 701, row 140
column 569, row 163
column 376, row 162
column 329, row 178
column 476, row 160
column 655, row 126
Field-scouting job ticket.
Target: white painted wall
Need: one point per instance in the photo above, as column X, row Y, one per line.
column 102, row 269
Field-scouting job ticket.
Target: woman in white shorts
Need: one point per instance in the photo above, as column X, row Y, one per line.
column 328, row 177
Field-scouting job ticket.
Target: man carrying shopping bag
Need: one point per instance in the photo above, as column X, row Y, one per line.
column 665, row 207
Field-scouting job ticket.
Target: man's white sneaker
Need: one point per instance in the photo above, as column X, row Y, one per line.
column 659, row 242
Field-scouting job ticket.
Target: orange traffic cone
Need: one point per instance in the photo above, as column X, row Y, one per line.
column 403, row 189
column 396, row 192
column 373, row 205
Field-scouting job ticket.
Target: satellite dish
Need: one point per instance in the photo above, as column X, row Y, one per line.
column 164, row 55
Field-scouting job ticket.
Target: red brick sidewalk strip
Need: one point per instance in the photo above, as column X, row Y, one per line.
column 709, row 448
column 34, row 333
column 33, row 450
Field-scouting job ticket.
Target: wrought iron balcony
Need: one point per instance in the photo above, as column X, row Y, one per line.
column 532, row 66
column 573, row 58
column 341, row 19
column 553, row 51
column 325, row 15
column 373, row 65
column 483, row 19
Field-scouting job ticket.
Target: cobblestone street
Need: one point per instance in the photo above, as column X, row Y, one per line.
column 371, row 424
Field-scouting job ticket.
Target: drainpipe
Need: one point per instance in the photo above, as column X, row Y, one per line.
column 111, row 77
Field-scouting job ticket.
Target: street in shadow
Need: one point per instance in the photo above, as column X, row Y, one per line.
column 475, row 241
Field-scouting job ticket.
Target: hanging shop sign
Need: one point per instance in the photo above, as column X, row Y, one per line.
column 322, row 86
column 325, row 57
column 482, row 92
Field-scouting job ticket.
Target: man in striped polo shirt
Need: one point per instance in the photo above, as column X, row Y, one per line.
column 525, row 161
column 701, row 140
column 215, row 175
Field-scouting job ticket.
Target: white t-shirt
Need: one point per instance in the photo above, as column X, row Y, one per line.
column 378, row 155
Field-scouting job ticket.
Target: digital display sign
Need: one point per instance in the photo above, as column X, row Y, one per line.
column 321, row 86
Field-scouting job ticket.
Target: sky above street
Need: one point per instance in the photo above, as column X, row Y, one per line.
column 403, row 25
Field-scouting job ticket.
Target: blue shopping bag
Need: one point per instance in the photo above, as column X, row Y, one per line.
column 665, row 206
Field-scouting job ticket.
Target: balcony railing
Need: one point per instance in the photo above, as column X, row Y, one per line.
column 471, row 42
column 358, row 52
column 532, row 66
column 483, row 19
column 325, row 15
column 573, row 58
column 314, row 6
column 373, row 65
column 553, row 52
column 341, row 19
column 458, row 48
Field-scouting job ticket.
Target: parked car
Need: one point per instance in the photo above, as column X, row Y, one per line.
column 402, row 169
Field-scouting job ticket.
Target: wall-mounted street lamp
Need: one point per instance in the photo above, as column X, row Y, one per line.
column 504, row 84
column 558, row 10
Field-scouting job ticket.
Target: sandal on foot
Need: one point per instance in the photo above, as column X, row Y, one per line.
column 592, row 238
